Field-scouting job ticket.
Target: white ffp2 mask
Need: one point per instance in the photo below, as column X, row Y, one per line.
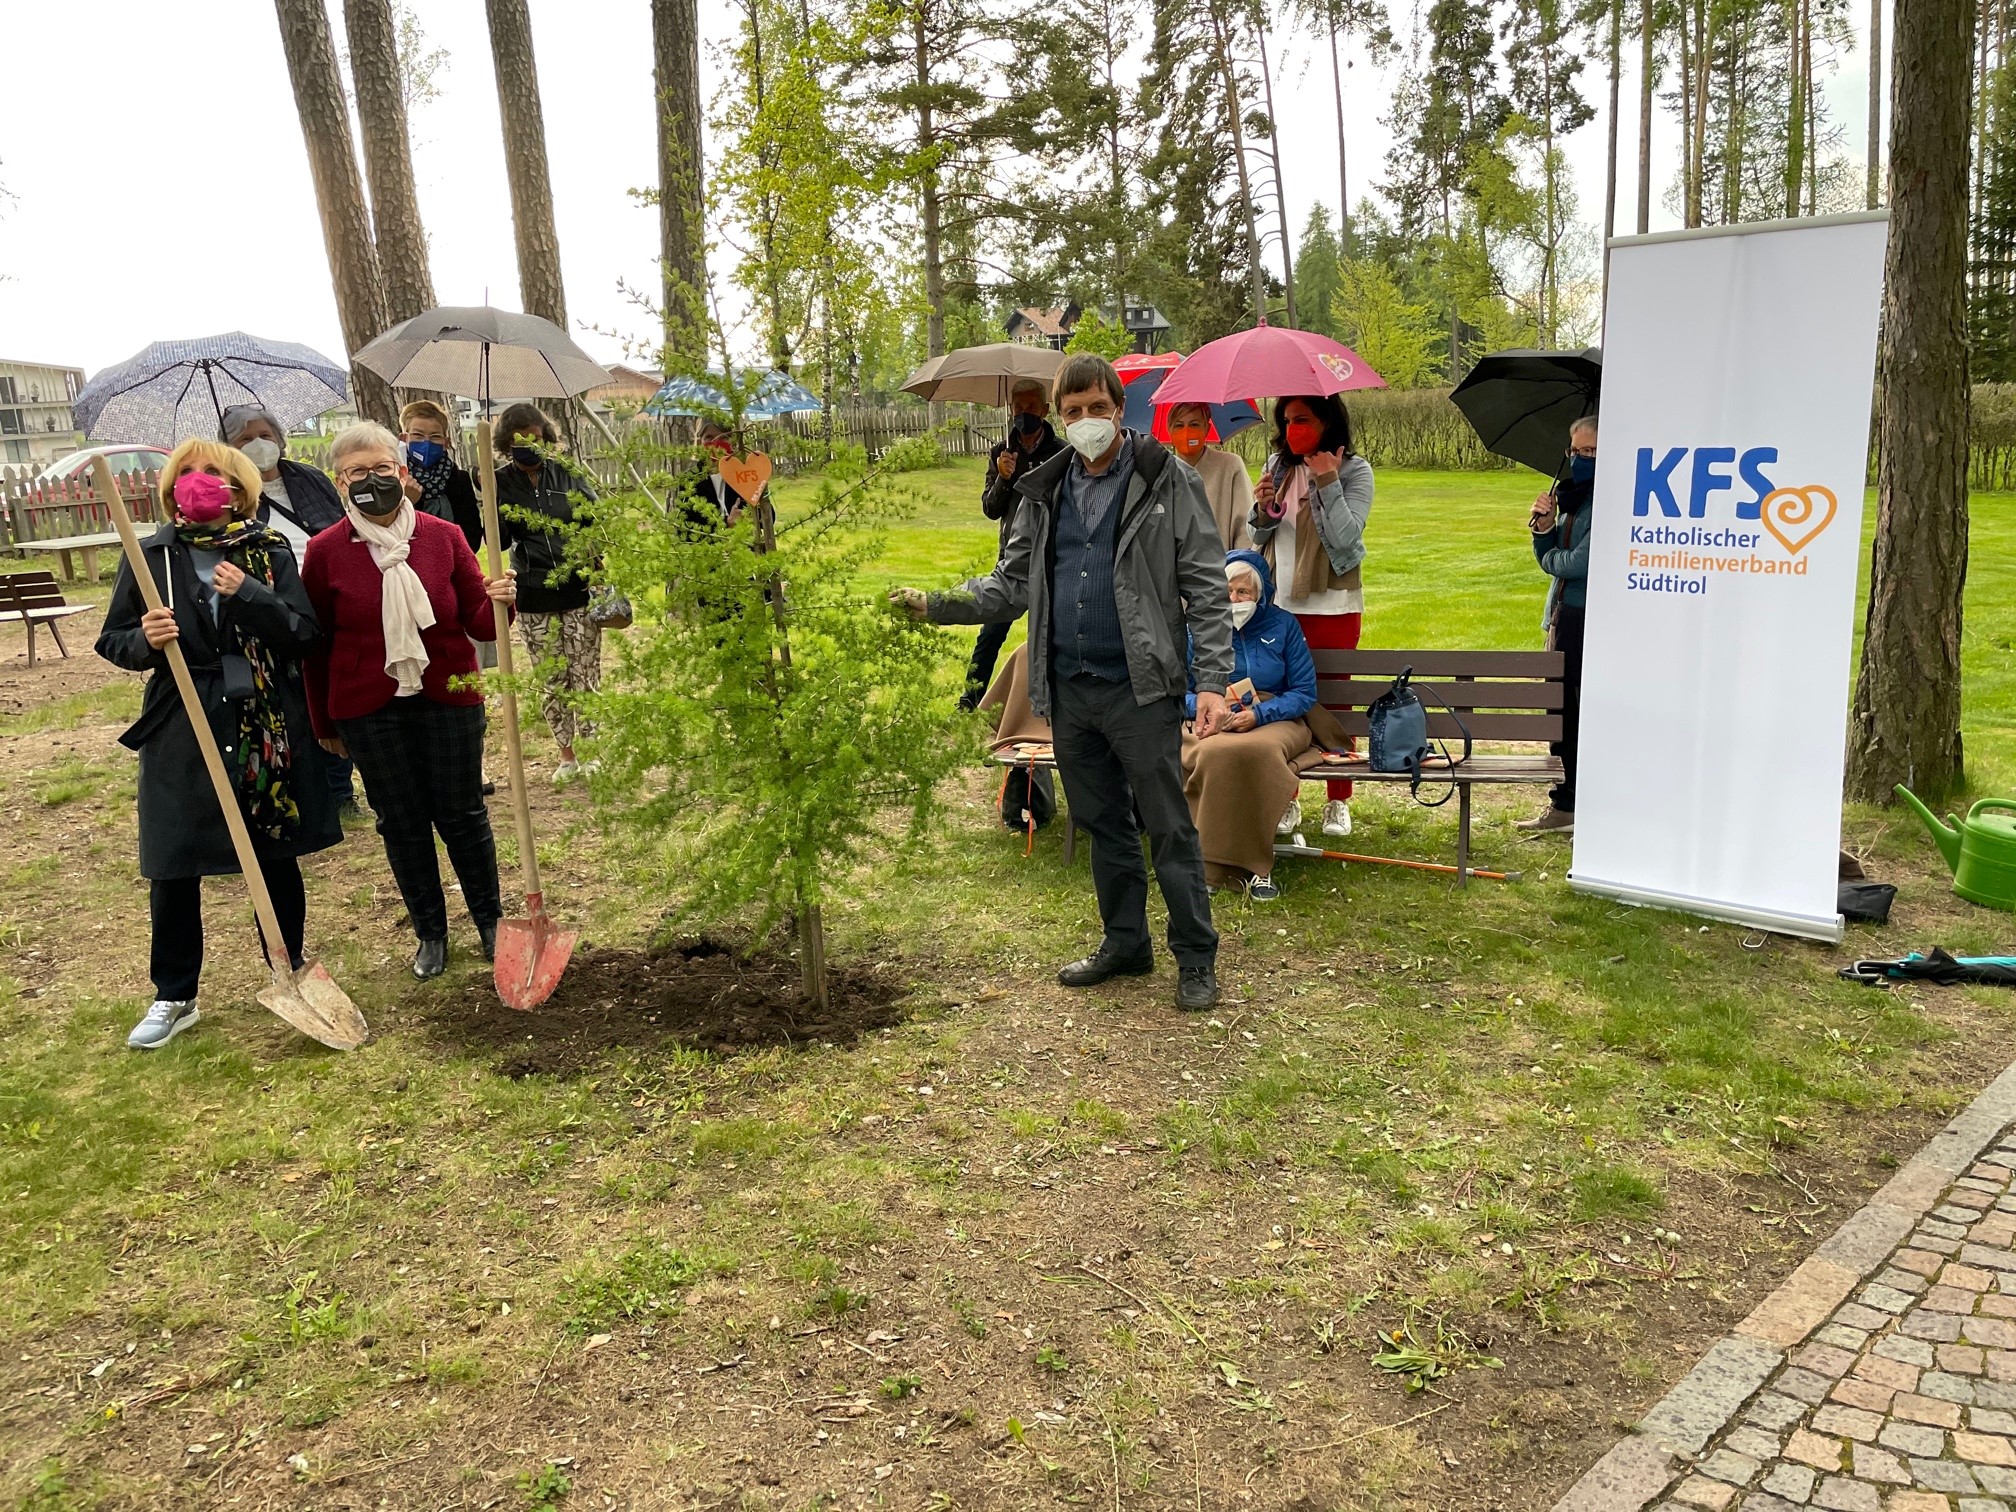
column 1242, row 611
column 1090, row 437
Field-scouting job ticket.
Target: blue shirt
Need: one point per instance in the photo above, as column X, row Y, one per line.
column 1085, row 637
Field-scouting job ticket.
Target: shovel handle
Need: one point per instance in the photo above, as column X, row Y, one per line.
column 514, row 751
column 199, row 721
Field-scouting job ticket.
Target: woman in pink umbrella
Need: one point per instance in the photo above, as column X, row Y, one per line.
column 1309, row 513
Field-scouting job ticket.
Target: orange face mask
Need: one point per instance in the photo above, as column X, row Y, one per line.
column 1188, row 440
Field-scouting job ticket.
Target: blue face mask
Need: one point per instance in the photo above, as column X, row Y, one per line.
column 424, row 453
column 1582, row 469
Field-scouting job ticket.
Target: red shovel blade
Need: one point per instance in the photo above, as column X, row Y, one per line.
column 531, row 955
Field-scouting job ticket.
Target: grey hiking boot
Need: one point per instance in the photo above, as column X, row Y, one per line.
column 163, row 1022
column 1554, row 821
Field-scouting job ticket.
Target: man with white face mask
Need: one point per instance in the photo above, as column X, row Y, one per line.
column 1116, row 558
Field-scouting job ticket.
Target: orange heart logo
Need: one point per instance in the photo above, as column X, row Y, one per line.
column 1787, row 510
column 748, row 475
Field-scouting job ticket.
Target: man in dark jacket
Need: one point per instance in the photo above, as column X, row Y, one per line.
column 1560, row 526
column 1116, row 558
column 1030, row 443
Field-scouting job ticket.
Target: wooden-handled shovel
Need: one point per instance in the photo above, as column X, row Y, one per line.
column 533, row 951
column 308, row 999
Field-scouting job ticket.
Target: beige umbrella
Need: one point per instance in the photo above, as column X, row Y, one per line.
column 982, row 374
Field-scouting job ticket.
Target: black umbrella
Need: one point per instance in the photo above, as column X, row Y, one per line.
column 1521, row 403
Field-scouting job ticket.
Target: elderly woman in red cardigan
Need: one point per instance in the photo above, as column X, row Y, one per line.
column 392, row 685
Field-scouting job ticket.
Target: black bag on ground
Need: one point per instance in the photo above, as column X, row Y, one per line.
column 1027, row 794
column 1398, row 739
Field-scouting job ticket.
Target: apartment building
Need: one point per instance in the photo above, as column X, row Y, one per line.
column 35, row 422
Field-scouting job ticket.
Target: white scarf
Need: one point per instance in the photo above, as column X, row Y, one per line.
column 405, row 609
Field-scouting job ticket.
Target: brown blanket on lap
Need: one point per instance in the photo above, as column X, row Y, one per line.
column 1239, row 786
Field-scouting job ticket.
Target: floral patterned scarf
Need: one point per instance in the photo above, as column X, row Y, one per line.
column 261, row 762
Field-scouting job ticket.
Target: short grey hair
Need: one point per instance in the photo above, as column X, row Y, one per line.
column 1244, row 569
column 365, row 435
column 1023, row 386
column 1582, row 423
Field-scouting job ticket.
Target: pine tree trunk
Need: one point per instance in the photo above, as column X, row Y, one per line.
column 1704, row 51
column 1812, row 149
column 1645, row 62
column 927, row 142
column 1610, row 160
column 1233, row 113
column 388, row 158
column 675, row 54
column 1795, row 108
column 1343, row 178
column 339, row 193
column 1280, row 183
column 539, row 282
column 1873, row 194
column 1905, row 727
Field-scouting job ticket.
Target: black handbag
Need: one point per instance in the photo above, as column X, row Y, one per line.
column 1399, row 739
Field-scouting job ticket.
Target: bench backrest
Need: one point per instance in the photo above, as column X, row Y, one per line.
column 29, row 590
column 1501, row 695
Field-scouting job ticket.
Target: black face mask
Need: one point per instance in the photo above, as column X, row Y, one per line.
column 1027, row 424
column 373, row 495
column 525, row 456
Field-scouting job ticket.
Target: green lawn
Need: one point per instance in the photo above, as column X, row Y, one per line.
column 1022, row 1249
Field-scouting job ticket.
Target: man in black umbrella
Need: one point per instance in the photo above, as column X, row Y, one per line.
column 1560, row 526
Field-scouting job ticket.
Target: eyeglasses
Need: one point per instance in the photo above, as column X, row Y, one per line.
column 386, row 470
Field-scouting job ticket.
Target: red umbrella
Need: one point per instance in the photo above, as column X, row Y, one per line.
column 1143, row 375
column 1269, row 361
column 1134, row 364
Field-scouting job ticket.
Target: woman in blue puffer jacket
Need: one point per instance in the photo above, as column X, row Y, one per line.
column 1241, row 779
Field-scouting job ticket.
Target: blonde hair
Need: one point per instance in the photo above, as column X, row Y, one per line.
column 365, row 435
column 197, row 452
column 426, row 409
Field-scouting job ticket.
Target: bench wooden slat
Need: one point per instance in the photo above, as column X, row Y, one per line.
column 1388, row 663
column 1355, row 693
column 1542, row 728
column 30, row 590
column 1525, row 770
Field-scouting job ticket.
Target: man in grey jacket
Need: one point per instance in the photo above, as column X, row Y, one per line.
column 1116, row 558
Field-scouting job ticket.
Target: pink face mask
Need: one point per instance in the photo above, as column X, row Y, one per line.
column 200, row 498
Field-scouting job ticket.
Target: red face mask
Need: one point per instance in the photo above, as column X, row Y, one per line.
column 1304, row 437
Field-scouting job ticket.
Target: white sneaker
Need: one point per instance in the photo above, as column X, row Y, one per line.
column 1289, row 820
column 163, row 1022
column 1337, row 818
column 566, row 772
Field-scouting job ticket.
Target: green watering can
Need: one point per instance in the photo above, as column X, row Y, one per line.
column 1981, row 848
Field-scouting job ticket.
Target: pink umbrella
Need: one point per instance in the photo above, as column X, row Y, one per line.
column 1270, row 362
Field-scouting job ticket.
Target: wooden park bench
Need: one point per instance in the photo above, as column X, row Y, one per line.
column 1503, row 697
column 31, row 599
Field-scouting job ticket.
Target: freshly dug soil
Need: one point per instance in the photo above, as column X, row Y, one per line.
column 700, row 994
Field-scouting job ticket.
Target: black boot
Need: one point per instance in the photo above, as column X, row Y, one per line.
column 487, row 934
column 1103, row 965
column 431, row 959
column 1197, row 988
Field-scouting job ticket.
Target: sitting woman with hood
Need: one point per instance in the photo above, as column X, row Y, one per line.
column 1240, row 779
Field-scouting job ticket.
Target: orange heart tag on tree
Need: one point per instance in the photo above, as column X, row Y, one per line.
column 748, row 476
column 1796, row 516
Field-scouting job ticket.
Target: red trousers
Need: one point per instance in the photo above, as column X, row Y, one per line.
column 1332, row 632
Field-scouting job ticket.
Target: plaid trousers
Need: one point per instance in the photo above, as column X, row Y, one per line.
column 577, row 641
column 422, row 764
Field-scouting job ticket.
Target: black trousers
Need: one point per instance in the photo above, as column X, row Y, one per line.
column 176, row 907
column 986, row 651
column 422, row 763
column 1569, row 628
column 1117, row 757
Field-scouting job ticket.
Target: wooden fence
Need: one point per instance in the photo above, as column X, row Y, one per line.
column 49, row 511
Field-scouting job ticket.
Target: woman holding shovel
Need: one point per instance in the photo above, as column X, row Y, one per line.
column 232, row 597
column 400, row 597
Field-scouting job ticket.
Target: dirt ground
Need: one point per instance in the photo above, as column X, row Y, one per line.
column 1072, row 1313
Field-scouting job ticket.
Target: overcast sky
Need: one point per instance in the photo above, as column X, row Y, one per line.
column 161, row 190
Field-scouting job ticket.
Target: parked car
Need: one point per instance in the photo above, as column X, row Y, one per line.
column 77, row 464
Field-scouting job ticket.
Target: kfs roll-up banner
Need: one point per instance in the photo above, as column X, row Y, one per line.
column 1737, row 377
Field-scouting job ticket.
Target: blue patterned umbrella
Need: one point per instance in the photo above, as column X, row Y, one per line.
column 776, row 395
column 178, row 389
